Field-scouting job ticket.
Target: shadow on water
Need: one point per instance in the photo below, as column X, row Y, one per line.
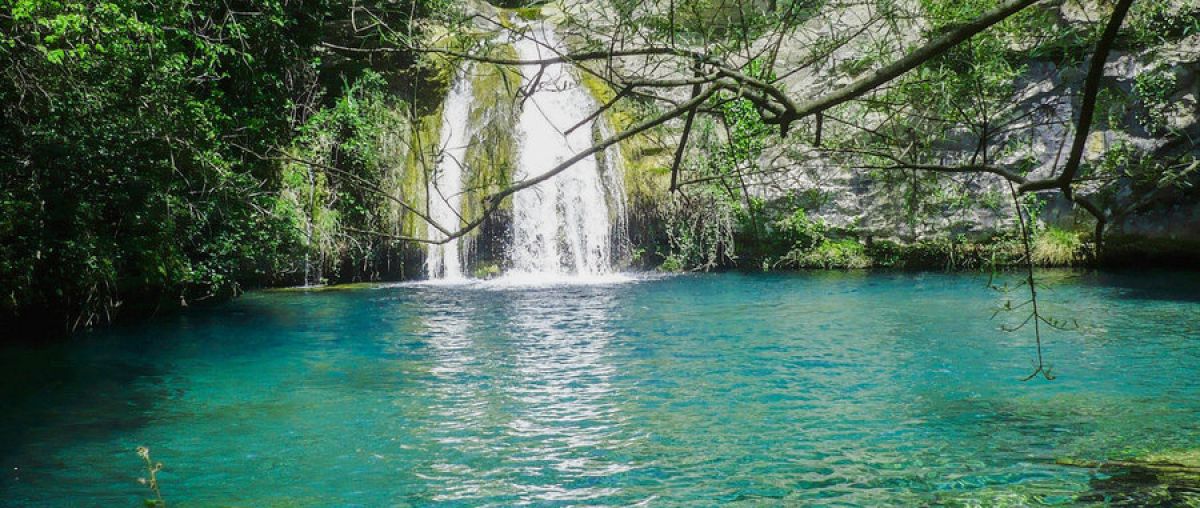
column 75, row 392
column 1164, row 285
column 1141, row 488
column 100, row 385
column 96, row 394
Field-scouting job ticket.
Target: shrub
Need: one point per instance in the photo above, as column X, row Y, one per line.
column 1056, row 247
column 487, row 271
column 846, row 253
column 801, row 231
column 671, row 263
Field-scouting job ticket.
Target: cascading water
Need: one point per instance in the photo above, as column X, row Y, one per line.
column 563, row 226
column 444, row 261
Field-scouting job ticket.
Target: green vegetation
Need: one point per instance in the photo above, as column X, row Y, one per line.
column 1166, row 478
column 139, row 149
column 157, row 154
column 955, row 109
column 151, row 478
column 1157, row 21
column 486, row 271
column 1056, row 247
column 361, row 136
column 493, row 119
column 846, row 253
column 331, row 288
column 1154, row 89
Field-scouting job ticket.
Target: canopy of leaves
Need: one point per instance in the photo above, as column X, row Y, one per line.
column 131, row 144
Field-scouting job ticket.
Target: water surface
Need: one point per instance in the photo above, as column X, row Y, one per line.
column 824, row 388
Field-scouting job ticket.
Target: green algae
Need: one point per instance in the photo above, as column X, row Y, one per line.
column 491, row 157
column 646, row 160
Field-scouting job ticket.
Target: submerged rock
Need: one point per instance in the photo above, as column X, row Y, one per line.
column 1162, row 479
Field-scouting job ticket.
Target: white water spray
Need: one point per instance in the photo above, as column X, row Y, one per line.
column 444, row 261
column 563, row 229
column 563, row 226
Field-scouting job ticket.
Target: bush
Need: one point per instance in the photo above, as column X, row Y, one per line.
column 671, row 263
column 1056, row 247
column 846, row 253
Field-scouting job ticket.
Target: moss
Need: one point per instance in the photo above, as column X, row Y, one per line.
column 420, row 160
column 645, row 156
column 395, row 144
column 532, row 13
column 435, row 71
column 511, row 14
column 491, row 157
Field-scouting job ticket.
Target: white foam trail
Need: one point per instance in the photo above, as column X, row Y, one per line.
column 445, row 261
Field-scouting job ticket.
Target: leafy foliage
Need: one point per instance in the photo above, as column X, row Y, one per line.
column 133, row 149
column 1154, row 89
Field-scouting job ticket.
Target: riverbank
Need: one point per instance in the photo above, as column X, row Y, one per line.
column 1122, row 253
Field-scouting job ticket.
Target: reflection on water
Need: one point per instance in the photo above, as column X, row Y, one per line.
column 523, row 414
column 569, row 413
column 694, row 390
column 460, row 411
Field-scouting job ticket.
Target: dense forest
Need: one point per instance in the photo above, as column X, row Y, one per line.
column 159, row 154
column 141, row 146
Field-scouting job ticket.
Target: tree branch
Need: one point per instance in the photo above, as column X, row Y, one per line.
column 1091, row 89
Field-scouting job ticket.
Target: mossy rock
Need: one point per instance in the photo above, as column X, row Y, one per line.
column 492, row 154
column 532, row 13
column 646, row 157
column 1169, row 478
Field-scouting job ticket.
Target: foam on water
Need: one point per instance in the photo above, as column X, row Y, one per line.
column 520, row 280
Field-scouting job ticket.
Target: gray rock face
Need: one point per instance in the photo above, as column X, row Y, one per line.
column 881, row 205
column 854, row 198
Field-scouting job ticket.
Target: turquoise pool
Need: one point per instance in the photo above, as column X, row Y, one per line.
column 694, row 390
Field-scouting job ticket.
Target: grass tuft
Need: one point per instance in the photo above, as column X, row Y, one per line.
column 1057, row 247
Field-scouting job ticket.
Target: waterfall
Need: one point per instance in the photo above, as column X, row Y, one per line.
column 572, row 225
column 444, row 261
column 563, row 226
